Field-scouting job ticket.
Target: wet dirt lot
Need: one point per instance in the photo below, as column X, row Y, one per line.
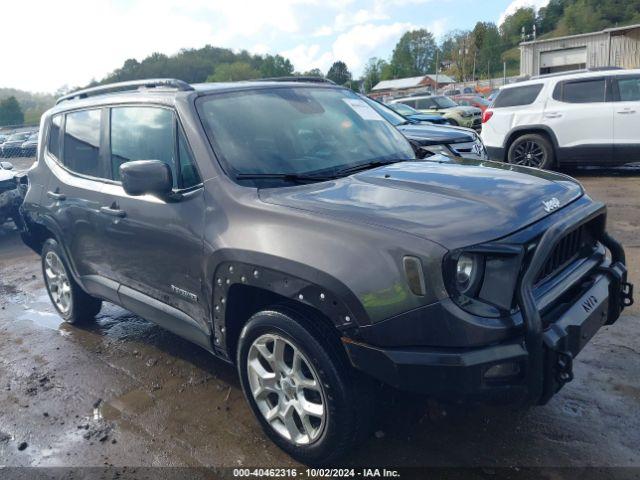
column 124, row 392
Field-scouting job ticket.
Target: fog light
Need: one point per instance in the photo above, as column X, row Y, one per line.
column 502, row 370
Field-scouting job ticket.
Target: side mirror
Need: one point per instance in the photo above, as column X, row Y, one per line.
column 141, row 177
column 6, row 165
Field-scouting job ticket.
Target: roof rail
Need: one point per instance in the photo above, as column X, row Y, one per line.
column 295, row 78
column 124, row 86
column 574, row 72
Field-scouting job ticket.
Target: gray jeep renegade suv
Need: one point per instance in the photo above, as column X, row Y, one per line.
column 286, row 228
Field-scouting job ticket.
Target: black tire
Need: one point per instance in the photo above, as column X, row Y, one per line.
column 349, row 408
column 531, row 150
column 82, row 307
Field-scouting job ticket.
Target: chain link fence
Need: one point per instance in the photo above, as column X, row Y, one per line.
column 18, row 145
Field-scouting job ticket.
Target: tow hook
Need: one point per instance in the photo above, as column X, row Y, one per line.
column 626, row 291
column 564, row 367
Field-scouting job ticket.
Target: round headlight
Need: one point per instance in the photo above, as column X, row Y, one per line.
column 468, row 273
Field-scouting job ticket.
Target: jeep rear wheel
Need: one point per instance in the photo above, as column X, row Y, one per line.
column 531, row 150
column 72, row 303
column 301, row 387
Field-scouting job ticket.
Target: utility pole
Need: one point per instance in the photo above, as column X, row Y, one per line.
column 504, row 73
column 437, row 68
column 473, row 77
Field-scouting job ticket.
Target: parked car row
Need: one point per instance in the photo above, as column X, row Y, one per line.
column 457, row 115
column 19, row 144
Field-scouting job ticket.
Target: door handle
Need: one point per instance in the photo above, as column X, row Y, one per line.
column 114, row 212
column 552, row 115
column 56, row 196
column 626, row 111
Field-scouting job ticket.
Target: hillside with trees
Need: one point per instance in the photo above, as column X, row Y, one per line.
column 477, row 53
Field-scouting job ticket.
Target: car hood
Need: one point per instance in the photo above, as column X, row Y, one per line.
column 455, row 204
column 425, row 117
column 426, row 134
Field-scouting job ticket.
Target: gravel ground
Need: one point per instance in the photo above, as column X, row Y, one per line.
column 124, row 392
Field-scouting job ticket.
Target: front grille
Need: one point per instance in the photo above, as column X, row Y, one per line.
column 567, row 249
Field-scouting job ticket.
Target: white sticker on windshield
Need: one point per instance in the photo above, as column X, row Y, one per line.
column 365, row 111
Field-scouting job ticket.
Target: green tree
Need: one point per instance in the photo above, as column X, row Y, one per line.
column 488, row 48
column 275, row 66
column 414, row 54
column 10, row 112
column 314, row 72
column 232, row 72
column 581, row 18
column 511, row 28
column 549, row 16
column 372, row 73
column 339, row 73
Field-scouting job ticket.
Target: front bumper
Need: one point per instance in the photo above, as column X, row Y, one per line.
column 534, row 366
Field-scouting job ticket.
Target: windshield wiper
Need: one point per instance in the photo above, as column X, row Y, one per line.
column 366, row 166
column 289, row 177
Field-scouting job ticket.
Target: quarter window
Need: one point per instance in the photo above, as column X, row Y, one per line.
column 188, row 172
column 517, row 96
column 629, row 89
column 142, row 133
column 586, row 91
column 82, row 142
column 53, row 145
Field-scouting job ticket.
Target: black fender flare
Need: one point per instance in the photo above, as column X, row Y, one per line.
column 286, row 278
column 51, row 225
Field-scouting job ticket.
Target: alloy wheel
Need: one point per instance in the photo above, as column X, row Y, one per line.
column 57, row 282
column 286, row 389
column 529, row 154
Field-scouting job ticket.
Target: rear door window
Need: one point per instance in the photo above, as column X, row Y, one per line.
column 426, row 103
column 82, row 142
column 411, row 103
column 583, row 91
column 517, row 96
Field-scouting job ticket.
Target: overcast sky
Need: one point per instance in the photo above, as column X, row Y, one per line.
column 48, row 44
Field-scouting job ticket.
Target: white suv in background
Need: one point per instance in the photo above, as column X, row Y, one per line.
column 587, row 118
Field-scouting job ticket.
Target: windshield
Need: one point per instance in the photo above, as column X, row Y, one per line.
column 403, row 109
column 389, row 115
column 444, row 102
column 18, row 136
column 298, row 130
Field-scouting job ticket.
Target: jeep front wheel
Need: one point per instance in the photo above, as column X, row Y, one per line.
column 301, row 387
column 531, row 150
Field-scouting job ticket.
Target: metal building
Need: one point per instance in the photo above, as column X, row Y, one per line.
column 613, row 47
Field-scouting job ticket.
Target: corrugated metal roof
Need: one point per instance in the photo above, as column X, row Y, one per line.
column 579, row 35
column 410, row 82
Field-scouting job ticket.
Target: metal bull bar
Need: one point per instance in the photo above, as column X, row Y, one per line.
column 533, row 337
